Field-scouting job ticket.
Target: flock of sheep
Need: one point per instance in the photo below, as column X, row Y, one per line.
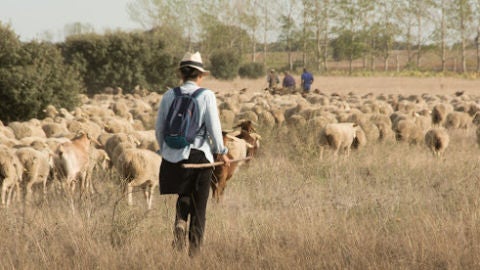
column 115, row 133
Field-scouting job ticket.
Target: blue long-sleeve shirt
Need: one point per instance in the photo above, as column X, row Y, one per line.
column 212, row 143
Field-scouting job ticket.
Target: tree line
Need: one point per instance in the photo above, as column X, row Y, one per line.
column 322, row 30
column 36, row 74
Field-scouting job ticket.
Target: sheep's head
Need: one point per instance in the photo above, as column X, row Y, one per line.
column 246, row 125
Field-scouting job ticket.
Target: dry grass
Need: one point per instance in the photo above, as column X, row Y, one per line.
column 389, row 206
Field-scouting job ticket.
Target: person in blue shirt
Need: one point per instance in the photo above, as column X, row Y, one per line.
column 307, row 80
column 191, row 185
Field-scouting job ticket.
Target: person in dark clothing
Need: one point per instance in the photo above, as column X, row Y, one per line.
column 272, row 80
column 288, row 82
column 191, row 185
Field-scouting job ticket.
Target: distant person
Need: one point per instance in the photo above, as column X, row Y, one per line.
column 288, row 82
column 307, row 80
column 272, row 79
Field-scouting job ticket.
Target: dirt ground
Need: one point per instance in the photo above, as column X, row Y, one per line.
column 363, row 85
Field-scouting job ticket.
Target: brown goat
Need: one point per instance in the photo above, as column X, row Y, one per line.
column 237, row 149
column 248, row 133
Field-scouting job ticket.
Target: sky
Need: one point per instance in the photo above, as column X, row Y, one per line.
column 30, row 19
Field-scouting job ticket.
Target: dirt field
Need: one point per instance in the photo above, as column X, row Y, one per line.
column 363, row 85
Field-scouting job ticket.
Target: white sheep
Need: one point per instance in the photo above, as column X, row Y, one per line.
column 437, row 140
column 26, row 129
column 338, row 136
column 10, row 173
column 37, row 166
column 139, row 168
column 112, row 142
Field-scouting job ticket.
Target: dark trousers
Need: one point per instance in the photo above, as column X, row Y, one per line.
column 193, row 203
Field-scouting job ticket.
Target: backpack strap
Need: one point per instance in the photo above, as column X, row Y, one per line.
column 177, row 91
column 197, row 92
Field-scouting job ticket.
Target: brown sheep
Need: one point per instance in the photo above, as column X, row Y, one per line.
column 437, row 140
column 408, row 131
column 72, row 160
column 440, row 112
column 457, row 120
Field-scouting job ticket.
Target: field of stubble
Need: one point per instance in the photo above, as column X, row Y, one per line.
column 388, row 206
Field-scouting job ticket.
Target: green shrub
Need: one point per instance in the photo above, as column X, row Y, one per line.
column 120, row 60
column 32, row 76
column 251, row 70
column 224, row 64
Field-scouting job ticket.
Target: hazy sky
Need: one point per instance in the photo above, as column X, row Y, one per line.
column 30, row 19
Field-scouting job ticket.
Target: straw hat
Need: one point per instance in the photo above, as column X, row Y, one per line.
column 193, row 60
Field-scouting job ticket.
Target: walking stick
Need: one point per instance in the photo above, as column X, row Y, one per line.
column 207, row 165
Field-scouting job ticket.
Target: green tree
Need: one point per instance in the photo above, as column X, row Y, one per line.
column 32, row 76
column 347, row 46
column 225, row 64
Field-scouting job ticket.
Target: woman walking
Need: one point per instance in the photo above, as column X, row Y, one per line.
column 191, row 185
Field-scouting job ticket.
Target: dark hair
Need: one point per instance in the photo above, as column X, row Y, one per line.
column 189, row 73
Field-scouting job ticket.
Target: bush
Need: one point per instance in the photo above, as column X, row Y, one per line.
column 224, row 64
column 120, row 60
column 251, row 70
column 32, row 77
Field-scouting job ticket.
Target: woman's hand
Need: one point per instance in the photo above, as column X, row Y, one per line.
column 225, row 159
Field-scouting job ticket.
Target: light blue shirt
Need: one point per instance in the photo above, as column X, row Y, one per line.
column 212, row 143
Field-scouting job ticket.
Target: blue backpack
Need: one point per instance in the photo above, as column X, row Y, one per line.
column 182, row 123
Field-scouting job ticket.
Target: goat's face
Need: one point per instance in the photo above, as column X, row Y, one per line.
column 246, row 125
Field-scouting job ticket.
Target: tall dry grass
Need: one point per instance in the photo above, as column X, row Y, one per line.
column 388, row 206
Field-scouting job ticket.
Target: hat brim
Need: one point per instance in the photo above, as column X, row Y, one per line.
column 195, row 66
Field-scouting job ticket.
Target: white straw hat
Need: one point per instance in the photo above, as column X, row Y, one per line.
column 193, row 60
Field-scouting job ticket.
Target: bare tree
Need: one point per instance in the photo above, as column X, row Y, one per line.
column 287, row 22
column 477, row 43
column 477, row 38
column 421, row 11
column 159, row 14
column 352, row 17
column 464, row 14
column 320, row 24
column 307, row 25
column 78, row 28
column 250, row 18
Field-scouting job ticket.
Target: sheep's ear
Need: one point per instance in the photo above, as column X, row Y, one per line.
column 230, row 137
column 256, row 136
column 81, row 133
column 249, row 146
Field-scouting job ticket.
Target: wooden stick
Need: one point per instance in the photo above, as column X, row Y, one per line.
column 206, row 165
